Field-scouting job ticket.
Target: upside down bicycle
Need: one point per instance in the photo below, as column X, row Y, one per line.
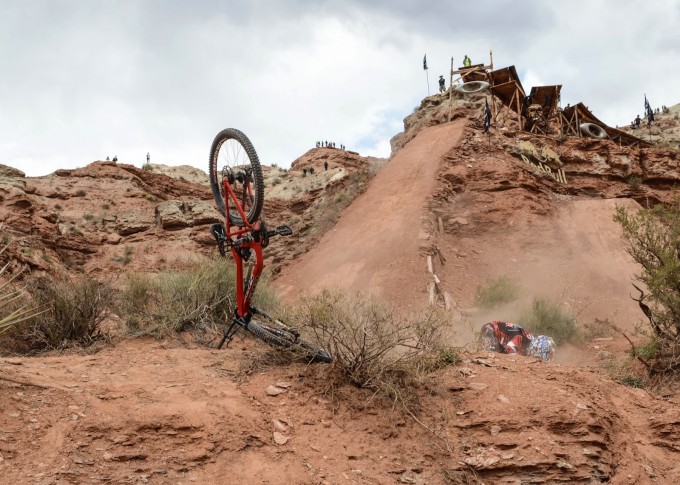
column 238, row 189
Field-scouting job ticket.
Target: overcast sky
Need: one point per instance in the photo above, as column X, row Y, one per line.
column 83, row 79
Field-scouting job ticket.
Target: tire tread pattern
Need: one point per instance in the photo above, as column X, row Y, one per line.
column 258, row 179
column 285, row 340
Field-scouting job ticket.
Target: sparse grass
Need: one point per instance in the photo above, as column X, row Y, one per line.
column 147, row 166
column 375, row 348
column 548, row 317
column 199, row 298
column 497, row 292
column 627, row 372
column 88, row 217
column 81, row 193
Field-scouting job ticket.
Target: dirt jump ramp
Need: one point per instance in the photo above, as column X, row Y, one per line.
column 373, row 248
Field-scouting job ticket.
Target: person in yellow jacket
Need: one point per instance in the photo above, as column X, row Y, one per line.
column 467, row 62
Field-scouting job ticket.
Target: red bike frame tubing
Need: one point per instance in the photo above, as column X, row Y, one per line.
column 243, row 294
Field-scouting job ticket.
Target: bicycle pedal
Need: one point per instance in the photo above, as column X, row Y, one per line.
column 284, row 230
column 218, row 231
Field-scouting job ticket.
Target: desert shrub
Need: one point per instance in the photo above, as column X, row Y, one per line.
column 88, row 217
column 81, row 193
column 548, row 317
column 197, row 298
column 497, row 292
column 147, row 166
column 372, row 346
column 653, row 239
column 276, row 181
column 74, row 310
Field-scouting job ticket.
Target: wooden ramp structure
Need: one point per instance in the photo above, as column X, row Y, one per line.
column 538, row 112
column 573, row 116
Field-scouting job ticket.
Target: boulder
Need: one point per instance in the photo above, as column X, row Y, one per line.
column 132, row 223
column 170, row 214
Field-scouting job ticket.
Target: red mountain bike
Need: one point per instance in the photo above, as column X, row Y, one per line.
column 238, row 188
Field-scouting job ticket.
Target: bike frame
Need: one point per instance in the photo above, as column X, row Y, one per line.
column 245, row 292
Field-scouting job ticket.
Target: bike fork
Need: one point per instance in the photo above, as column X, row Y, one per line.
column 228, row 335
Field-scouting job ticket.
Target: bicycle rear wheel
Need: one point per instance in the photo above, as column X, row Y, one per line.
column 232, row 155
column 279, row 337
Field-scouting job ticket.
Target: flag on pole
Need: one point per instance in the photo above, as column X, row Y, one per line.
column 648, row 112
column 425, row 62
column 487, row 116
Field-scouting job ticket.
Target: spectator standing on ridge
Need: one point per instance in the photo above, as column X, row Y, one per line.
column 638, row 120
column 442, row 83
column 467, row 62
column 148, row 157
column 115, row 158
column 510, row 338
column 107, row 158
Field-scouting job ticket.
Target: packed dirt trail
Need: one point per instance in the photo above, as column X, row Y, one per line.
column 374, row 245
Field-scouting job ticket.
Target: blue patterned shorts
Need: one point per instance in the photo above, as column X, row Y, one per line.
column 542, row 347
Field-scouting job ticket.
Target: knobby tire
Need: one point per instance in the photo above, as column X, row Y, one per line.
column 281, row 338
column 253, row 213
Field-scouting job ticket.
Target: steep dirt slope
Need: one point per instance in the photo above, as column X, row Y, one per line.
column 375, row 245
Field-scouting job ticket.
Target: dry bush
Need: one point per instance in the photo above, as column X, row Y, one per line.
column 72, row 313
column 372, row 346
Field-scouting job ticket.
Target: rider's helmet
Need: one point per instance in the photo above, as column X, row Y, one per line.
column 542, row 347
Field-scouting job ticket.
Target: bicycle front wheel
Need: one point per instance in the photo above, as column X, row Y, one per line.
column 233, row 156
column 279, row 337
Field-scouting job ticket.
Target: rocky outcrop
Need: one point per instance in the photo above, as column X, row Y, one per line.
column 173, row 214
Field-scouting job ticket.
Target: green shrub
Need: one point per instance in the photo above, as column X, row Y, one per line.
column 653, row 239
column 547, row 317
column 497, row 292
